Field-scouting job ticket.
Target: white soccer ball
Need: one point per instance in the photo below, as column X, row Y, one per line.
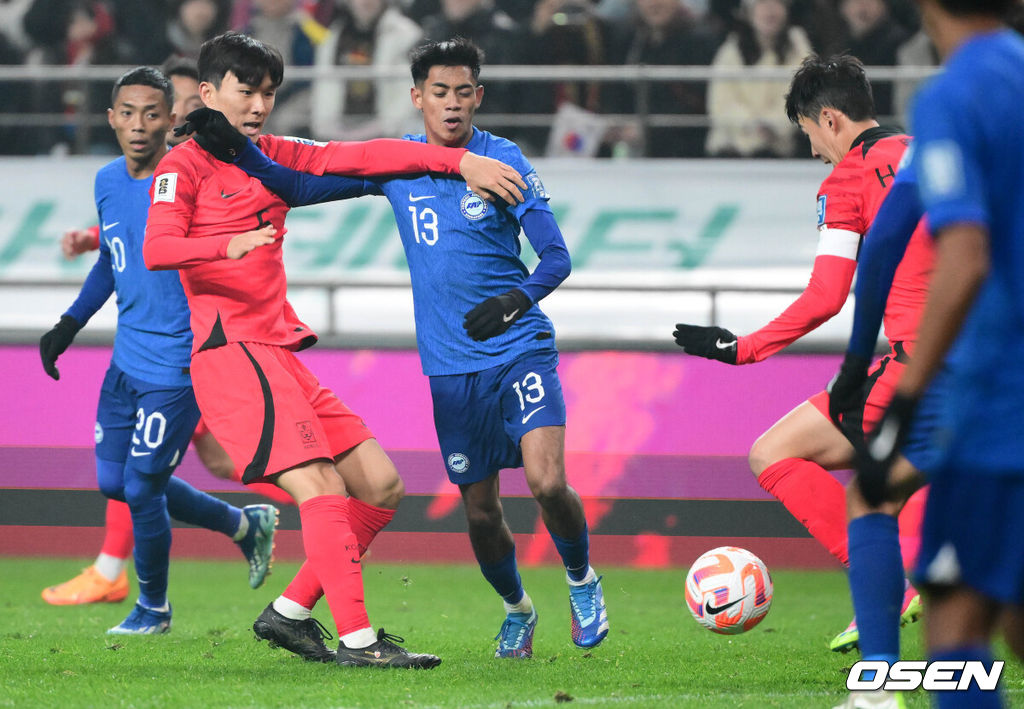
column 728, row 590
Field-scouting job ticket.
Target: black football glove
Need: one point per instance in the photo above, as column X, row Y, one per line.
column 214, row 134
column 53, row 343
column 844, row 391
column 874, row 458
column 711, row 342
column 496, row 314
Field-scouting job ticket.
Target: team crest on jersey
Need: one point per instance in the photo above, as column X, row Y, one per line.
column 458, row 463
column 98, row 433
column 473, row 206
column 821, row 210
column 164, row 187
column 306, row 434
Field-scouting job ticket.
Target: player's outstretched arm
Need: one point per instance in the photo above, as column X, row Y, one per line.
column 299, row 188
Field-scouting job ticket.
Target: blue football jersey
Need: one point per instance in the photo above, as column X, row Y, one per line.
column 462, row 250
column 969, row 162
column 153, row 340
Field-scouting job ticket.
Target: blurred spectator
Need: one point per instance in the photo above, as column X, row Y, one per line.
column 563, row 32
column 665, row 32
column 17, row 94
column 365, row 33
column 490, row 29
column 195, row 21
column 873, row 37
column 140, row 31
column 916, row 51
column 288, row 27
column 520, row 11
column 74, row 32
column 748, row 117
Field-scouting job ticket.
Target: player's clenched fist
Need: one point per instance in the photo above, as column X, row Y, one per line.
column 496, row 314
column 711, row 342
column 242, row 244
column 76, row 242
column 492, row 178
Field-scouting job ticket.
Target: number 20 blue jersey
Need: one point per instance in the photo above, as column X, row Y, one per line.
column 153, row 340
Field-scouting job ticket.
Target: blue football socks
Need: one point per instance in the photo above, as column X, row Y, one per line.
column 876, row 584
column 504, row 577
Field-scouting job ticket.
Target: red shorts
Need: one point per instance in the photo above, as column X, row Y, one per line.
column 268, row 411
column 877, row 390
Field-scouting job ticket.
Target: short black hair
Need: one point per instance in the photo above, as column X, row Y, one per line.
column 181, row 66
column 144, row 76
column 998, row 8
column 246, row 57
column 837, row 82
column 457, row 51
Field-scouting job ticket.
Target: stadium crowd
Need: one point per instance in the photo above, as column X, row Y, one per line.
column 728, row 118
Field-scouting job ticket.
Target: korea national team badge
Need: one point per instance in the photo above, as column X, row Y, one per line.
column 458, row 463
column 473, row 206
column 821, row 210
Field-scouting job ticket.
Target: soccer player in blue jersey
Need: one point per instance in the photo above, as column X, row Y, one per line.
column 487, row 348
column 969, row 162
column 147, row 411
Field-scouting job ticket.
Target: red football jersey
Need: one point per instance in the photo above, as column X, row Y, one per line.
column 199, row 204
column 848, row 200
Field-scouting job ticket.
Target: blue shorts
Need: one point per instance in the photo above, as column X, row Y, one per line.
column 971, row 534
column 480, row 417
column 924, row 447
column 147, row 425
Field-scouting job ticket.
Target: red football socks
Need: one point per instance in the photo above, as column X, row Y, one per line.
column 366, row 520
column 118, row 539
column 332, row 552
column 814, row 497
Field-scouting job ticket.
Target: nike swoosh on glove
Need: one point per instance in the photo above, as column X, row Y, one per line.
column 214, row 134
column 496, row 314
column 874, row 459
column 711, row 342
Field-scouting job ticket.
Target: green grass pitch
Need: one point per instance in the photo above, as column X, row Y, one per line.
column 655, row 655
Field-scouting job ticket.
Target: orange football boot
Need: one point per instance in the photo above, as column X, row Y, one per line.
column 90, row 586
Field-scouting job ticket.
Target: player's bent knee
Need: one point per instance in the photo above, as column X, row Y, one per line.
column 760, row 456
column 484, row 517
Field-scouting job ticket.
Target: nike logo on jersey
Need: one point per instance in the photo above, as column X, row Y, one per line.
column 712, row 610
column 724, row 345
column 224, row 195
column 530, row 415
column 137, row 454
column 421, row 197
column 508, row 316
column 110, row 226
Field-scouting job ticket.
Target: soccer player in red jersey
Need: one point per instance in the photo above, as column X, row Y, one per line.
column 223, row 230
column 105, row 580
column 832, row 103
